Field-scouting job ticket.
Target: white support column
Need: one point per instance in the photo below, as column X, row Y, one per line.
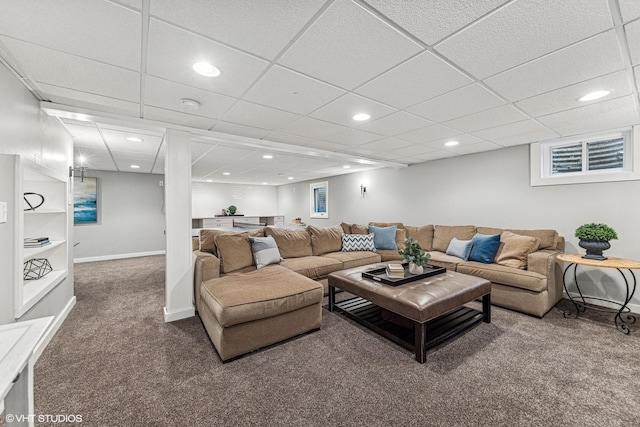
column 179, row 271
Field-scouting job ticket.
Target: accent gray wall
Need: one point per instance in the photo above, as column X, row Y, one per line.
column 487, row 189
column 131, row 217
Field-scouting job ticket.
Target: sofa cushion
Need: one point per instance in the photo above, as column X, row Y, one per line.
column 291, row 243
column 234, row 251
column 268, row 292
column 357, row 242
column 548, row 238
column 325, row 239
column 359, row 229
column 389, row 255
column 442, row 235
column 505, row 275
column 207, row 237
column 514, row 249
column 312, row 266
column 384, row 237
column 401, row 235
column 387, row 224
column 346, row 228
column 489, row 230
column 484, row 247
column 441, row 259
column 265, row 251
column 423, row 234
column 354, row 259
column 460, row 248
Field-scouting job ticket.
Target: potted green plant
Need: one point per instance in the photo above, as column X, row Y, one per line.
column 595, row 239
column 414, row 255
column 232, row 210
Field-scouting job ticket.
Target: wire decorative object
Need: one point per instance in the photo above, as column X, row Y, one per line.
column 36, row 268
column 30, row 204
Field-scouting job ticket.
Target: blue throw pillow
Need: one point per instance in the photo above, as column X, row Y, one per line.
column 485, row 247
column 384, row 237
column 460, row 248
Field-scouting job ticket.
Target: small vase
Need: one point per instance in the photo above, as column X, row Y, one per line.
column 594, row 248
column 414, row 268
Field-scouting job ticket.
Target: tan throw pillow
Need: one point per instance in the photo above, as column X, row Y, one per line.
column 359, row 229
column 401, row 234
column 208, row 237
column 346, row 228
column 387, row 224
column 514, row 249
column 547, row 238
column 423, row 234
column 234, row 251
column 291, row 243
column 443, row 234
column 325, row 239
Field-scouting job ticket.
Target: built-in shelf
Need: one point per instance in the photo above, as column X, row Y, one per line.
column 29, row 253
column 34, row 290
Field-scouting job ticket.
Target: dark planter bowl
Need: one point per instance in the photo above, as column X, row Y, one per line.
column 594, row 248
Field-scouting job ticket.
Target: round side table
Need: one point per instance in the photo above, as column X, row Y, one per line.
column 623, row 317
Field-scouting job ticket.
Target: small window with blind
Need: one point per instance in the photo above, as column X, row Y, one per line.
column 591, row 158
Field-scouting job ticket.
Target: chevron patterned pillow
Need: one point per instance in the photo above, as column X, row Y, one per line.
column 357, row 242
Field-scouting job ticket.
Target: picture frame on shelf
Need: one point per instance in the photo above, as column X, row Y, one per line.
column 85, row 201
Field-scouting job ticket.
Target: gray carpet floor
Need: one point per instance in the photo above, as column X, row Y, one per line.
column 115, row 362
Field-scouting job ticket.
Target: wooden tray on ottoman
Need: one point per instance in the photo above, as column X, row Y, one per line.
column 380, row 275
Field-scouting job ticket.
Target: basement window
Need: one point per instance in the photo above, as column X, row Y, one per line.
column 590, row 158
column 319, row 200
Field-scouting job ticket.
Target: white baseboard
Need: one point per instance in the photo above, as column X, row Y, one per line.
column 117, row 256
column 53, row 328
column 635, row 308
column 178, row 315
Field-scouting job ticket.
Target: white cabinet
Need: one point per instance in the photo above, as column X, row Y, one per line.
column 49, row 220
column 216, row 222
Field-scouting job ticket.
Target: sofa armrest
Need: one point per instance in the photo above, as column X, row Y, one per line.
column 207, row 266
column 544, row 262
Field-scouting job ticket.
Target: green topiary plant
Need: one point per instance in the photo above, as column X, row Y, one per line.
column 595, row 231
column 414, row 253
column 232, row 209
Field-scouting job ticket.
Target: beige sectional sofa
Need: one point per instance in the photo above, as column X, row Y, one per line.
column 244, row 308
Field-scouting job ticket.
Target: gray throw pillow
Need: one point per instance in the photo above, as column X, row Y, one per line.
column 265, row 251
column 460, row 248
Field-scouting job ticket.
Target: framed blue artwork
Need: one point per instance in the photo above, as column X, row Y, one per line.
column 85, row 200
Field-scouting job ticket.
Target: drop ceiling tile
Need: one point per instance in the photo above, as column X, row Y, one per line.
column 99, row 30
column 412, row 150
column 421, row 78
column 462, row 141
column 198, row 149
column 167, row 95
column 433, row 155
column 263, row 28
column 169, row 116
column 117, row 142
column 69, row 71
column 517, row 133
column 61, row 95
column 343, row 109
column 124, row 162
column 242, row 130
column 429, row 133
column 347, row 46
column 478, row 147
column 614, row 113
column 567, row 97
column 629, row 9
column 313, row 128
column 467, row 100
column 432, row 20
column 633, row 38
column 96, row 159
column 385, row 145
column 287, row 138
column 636, row 71
column 395, row 123
column 486, row 119
column 250, row 114
column 291, row 91
column 84, row 135
column 328, row 146
column 133, row 4
column 562, row 68
column 523, row 31
column 353, row 137
column 173, row 51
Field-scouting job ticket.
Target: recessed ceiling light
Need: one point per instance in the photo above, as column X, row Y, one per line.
column 206, row 69
column 190, row 104
column 451, row 143
column 360, row 117
column 134, row 139
column 346, row 167
column 264, row 183
column 290, row 177
column 594, row 95
column 135, row 167
column 267, row 156
column 209, row 180
column 226, row 173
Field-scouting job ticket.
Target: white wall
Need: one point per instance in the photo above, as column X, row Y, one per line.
column 208, row 199
column 131, row 218
column 488, row 189
column 27, row 131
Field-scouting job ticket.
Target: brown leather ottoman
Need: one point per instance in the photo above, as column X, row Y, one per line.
column 435, row 302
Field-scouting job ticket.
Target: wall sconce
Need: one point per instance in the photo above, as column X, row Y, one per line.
column 363, row 190
column 73, row 170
